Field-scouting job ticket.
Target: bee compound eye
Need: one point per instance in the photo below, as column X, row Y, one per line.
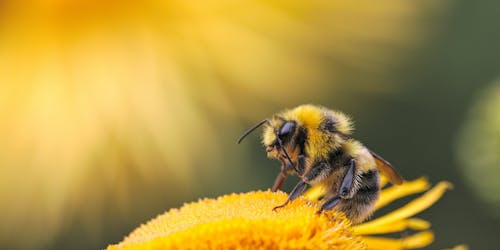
column 287, row 128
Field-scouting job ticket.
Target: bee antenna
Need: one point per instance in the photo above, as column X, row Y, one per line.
column 252, row 129
column 286, row 154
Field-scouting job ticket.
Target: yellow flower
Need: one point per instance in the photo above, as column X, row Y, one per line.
column 246, row 221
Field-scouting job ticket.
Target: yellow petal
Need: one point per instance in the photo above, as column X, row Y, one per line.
column 315, row 192
column 383, row 181
column 407, row 188
column 412, row 208
column 417, row 240
column 397, row 226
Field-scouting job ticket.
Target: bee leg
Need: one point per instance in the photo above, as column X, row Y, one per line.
column 301, row 164
column 297, row 190
column 285, row 168
column 344, row 189
column 346, row 186
column 329, row 204
column 319, row 170
column 279, row 180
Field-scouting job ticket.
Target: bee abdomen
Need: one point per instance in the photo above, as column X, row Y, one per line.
column 361, row 205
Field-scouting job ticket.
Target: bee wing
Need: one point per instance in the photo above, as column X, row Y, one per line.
column 386, row 169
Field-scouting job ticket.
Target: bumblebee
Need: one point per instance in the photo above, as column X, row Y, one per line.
column 314, row 143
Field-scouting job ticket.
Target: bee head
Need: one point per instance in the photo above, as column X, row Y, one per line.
column 278, row 138
column 278, row 134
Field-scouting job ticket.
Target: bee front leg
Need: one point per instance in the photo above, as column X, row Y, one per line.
column 279, row 179
column 301, row 164
column 285, row 169
column 297, row 190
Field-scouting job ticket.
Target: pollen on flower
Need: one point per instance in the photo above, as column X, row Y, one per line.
column 242, row 221
column 247, row 221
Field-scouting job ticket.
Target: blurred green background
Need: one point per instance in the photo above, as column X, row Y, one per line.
column 115, row 111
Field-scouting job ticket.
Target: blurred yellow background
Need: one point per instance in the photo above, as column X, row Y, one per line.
column 114, row 111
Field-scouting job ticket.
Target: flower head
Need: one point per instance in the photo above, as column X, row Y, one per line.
column 240, row 221
column 237, row 220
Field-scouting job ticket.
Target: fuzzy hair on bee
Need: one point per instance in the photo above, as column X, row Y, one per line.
column 315, row 143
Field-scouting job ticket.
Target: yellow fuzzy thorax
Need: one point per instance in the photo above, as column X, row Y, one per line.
column 311, row 117
column 364, row 159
